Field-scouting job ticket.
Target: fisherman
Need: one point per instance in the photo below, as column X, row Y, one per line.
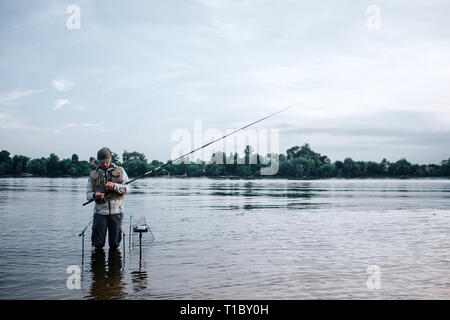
column 106, row 184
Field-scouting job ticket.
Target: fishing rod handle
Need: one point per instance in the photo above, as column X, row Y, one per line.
column 82, row 233
column 88, row 202
column 92, row 199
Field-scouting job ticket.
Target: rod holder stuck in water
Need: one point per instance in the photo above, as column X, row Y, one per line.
column 140, row 229
column 82, row 249
column 129, row 239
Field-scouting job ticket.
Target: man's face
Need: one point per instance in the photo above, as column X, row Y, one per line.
column 105, row 165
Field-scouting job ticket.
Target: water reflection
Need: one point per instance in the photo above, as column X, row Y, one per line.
column 139, row 279
column 251, row 189
column 248, row 189
column 107, row 278
column 256, row 194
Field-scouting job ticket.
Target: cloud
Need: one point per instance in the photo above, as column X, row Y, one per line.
column 18, row 126
column 60, row 103
column 62, row 85
column 82, row 124
column 11, row 97
column 241, row 60
column 78, row 126
column 392, row 124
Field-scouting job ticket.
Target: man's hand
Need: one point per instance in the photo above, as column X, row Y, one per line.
column 110, row 185
column 99, row 196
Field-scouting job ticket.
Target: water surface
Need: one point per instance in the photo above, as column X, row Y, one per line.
column 232, row 239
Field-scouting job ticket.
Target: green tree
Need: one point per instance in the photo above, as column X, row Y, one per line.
column 37, row 167
column 287, row 168
column 374, row 169
column 300, row 167
column 195, row 170
column 156, row 163
column 53, row 165
column 400, row 168
column 4, row 157
column 349, row 168
column 135, row 167
column 19, row 163
column 361, row 169
column 243, row 171
column 67, row 167
column 5, row 168
column 446, row 167
column 214, row 170
column 292, row 152
column 248, row 152
column 130, row 156
column 6, row 164
column 306, row 152
column 83, row 168
column 327, row 170
column 339, row 165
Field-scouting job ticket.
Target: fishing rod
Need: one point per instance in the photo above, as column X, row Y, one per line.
column 83, row 231
column 82, row 234
column 199, row 148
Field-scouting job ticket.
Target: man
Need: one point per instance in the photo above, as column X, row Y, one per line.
column 106, row 184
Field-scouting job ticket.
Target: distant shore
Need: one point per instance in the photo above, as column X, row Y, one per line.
column 299, row 163
column 29, row 175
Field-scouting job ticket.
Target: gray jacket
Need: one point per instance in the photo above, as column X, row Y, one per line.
column 111, row 206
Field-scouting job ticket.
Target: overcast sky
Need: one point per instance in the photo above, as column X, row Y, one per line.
column 135, row 71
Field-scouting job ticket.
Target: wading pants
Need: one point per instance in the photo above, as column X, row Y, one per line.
column 111, row 223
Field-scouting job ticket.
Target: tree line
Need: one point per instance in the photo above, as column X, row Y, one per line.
column 298, row 162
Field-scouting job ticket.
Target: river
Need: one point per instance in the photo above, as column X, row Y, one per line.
column 232, row 239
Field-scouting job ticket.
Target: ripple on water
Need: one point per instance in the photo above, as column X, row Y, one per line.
column 233, row 239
